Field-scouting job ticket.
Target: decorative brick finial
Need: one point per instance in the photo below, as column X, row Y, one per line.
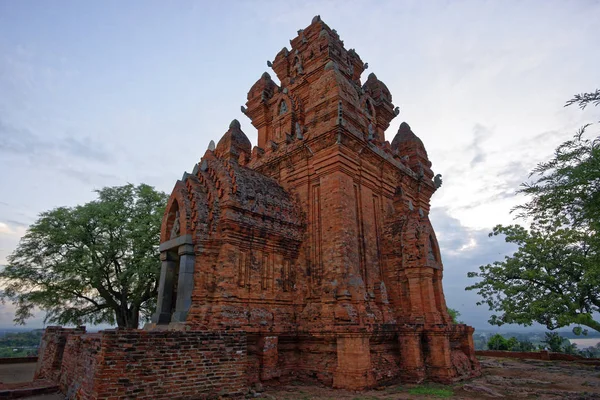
column 235, row 124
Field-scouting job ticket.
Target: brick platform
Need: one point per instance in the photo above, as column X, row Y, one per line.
column 125, row 364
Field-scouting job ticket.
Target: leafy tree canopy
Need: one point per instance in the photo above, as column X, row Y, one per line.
column 454, row 314
column 94, row 263
column 554, row 276
column 499, row 342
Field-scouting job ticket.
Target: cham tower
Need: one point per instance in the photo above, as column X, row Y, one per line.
column 316, row 242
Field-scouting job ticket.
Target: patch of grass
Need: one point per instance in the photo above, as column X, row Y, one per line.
column 431, row 391
column 366, row 398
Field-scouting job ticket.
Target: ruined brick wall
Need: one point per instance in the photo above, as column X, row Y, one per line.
column 318, row 359
column 51, row 351
column 125, row 364
column 385, row 359
column 79, row 365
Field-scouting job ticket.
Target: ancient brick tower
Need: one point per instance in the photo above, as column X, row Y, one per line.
column 316, row 242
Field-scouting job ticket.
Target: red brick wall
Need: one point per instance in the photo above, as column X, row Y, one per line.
column 51, row 351
column 317, row 360
column 125, row 364
column 385, row 359
column 79, row 365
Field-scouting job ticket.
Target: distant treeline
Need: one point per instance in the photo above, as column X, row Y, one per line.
column 20, row 344
column 557, row 342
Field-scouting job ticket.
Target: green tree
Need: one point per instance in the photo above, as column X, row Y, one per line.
column 558, row 344
column 95, row 263
column 553, row 277
column 498, row 342
column 523, row 345
column 553, row 342
column 454, row 314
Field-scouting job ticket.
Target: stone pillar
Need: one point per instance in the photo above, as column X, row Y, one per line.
column 165, row 289
column 185, row 282
column 439, row 363
column 269, row 357
column 354, row 370
column 412, row 365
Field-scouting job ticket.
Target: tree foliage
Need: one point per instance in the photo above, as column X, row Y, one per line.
column 552, row 341
column 95, row 263
column 499, row 342
column 454, row 314
column 558, row 344
column 553, row 277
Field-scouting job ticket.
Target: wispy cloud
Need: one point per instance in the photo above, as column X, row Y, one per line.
column 22, row 141
column 480, row 133
column 90, row 176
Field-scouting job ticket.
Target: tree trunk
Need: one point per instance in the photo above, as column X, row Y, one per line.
column 134, row 318
column 121, row 319
column 127, row 318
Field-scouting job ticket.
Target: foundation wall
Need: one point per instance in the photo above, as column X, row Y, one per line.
column 125, row 364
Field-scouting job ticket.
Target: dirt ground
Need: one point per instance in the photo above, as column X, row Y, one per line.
column 14, row 373
column 507, row 378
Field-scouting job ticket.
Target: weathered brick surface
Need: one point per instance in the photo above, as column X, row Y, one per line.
column 79, row 365
column 317, row 241
column 134, row 364
column 51, row 351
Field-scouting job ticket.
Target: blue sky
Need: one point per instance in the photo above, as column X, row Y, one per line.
column 104, row 93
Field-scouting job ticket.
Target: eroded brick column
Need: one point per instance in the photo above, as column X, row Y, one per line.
column 415, row 288
column 467, row 345
column 269, row 357
column 411, row 354
column 165, row 288
column 439, row 363
column 185, row 282
column 354, row 371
